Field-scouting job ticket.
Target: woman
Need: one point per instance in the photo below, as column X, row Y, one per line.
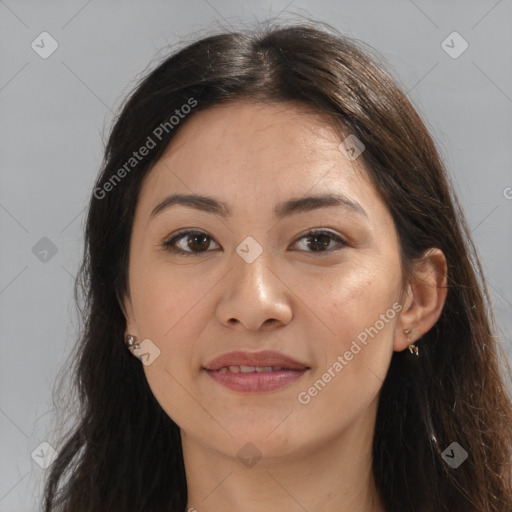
column 283, row 308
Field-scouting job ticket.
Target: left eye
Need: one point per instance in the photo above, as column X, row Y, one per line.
column 198, row 242
column 323, row 239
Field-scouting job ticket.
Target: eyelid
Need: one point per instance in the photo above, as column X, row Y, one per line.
column 334, row 234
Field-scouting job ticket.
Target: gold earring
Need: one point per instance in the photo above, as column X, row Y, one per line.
column 131, row 342
column 413, row 349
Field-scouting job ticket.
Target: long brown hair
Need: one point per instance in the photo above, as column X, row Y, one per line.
column 454, row 392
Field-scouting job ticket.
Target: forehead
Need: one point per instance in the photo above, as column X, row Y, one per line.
column 256, row 153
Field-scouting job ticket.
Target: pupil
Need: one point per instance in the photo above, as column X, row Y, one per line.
column 194, row 239
column 316, row 237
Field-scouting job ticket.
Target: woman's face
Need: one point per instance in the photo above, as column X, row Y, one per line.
column 254, row 280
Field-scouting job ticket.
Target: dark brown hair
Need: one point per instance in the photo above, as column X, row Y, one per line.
column 454, row 392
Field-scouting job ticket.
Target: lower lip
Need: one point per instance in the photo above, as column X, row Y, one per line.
column 256, row 382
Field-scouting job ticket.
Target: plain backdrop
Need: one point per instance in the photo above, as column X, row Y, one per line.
column 56, row 110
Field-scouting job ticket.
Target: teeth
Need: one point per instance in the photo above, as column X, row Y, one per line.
column 260, row 369
column 250, row 369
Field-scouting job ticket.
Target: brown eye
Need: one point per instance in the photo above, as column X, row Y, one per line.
column 189, row 243
column 319, row 241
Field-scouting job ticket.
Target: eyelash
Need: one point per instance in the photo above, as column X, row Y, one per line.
column 169, row 244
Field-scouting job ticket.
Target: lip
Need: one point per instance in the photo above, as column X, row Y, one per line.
column 291, row 370
column 256, row 382
column 263, row 358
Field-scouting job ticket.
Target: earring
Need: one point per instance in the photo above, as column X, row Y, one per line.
column 131, row 342
column 413, row 349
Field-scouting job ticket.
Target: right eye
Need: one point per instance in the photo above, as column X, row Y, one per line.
column 196, row 240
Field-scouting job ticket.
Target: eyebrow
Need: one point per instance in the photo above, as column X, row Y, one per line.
column 287, row 208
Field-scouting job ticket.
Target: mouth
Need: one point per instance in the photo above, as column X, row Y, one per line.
column 255, row 372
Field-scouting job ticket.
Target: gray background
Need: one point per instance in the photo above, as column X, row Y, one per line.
column 55, row 112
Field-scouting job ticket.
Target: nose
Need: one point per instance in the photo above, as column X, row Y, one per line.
column 254, row 296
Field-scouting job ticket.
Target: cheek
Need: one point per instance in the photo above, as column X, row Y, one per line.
column 360, row 310
column 356, row 299
column 169, row 311
column 163, row 299
column 355, row 361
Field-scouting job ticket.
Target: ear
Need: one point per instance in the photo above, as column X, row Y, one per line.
column 424, row 300
column 126, row 307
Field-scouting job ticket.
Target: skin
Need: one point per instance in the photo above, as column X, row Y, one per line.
column 308, row 304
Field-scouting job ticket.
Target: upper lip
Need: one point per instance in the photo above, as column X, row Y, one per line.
column 264, row 358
